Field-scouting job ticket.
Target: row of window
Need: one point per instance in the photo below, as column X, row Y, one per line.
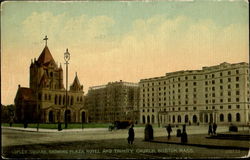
column 193, row 108
column 59, row 99
column 187, row 102
column 194, row 77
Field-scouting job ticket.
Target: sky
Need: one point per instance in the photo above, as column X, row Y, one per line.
column 120, row 40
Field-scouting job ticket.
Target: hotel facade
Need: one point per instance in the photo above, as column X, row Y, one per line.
column 115, row 101
column 214, row 94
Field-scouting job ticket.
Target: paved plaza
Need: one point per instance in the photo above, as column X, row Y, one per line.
column 101, row 143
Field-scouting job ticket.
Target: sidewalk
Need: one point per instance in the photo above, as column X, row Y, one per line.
column 203, row 140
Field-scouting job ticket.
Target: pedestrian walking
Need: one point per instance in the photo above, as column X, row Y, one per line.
column 214, row 128
column 184, row 135
column 210, row 132
column 11, row 121
column 131, row 135
column 169, row 130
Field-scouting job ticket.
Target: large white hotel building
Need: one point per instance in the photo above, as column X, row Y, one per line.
column 214, row 94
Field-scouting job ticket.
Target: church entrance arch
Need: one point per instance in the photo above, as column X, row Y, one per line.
column 194, row 119
column 83, row 117
column 67, row 116
column 51, row 117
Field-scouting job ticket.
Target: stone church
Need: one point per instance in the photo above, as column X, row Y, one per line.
column 45, row 99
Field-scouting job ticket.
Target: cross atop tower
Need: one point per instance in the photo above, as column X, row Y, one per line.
column 45, row 39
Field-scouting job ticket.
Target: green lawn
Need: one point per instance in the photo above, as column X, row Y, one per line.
column 70, row 125
column 54, row 126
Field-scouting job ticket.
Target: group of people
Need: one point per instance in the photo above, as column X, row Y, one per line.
column 212, row 128
column 149, row 132
column 182, row 134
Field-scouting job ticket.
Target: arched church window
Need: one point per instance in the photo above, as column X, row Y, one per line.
column 60, row 99
column 72, row 100
column 55, row 99
column 40, row 96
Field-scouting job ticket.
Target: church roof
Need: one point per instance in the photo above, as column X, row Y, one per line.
column 25, row 94
column 76, row 81
column 45, row 57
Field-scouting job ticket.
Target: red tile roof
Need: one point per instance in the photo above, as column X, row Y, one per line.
column 25, row 94
column 45, row 57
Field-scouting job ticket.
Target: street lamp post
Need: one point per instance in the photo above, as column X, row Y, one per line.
column 66, row 58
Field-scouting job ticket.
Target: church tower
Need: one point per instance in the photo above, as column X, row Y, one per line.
column 76, row 86
column 45, row 73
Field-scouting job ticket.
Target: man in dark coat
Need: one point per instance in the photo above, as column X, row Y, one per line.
column 169, row 130
column 210, row 129
column 131, row 135
column 214, row 128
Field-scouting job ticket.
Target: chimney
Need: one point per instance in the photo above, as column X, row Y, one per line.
column 19, row 86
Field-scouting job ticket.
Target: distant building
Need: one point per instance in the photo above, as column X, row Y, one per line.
column 45, row 99
column 113, row 102
column 214, row 94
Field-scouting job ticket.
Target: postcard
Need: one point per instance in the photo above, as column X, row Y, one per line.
column 125, row 79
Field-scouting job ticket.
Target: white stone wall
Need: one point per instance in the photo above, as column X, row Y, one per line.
column 213, row 90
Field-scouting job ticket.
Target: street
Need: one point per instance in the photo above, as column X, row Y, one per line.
column 99, row 143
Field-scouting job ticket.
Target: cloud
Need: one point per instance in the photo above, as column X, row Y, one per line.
column 151, row 47
column 75, row 32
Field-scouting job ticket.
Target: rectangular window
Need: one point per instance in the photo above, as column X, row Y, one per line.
column 221, row 80
column 238, row 106
column 237, row 79
column 237, row 93
column 221, row 87
column 229, row 72
column 221, row 74
column 213, row 81
column 237, row 99
column 206, row 95
column 221, row 107
column 194, row 83
column 237, row 85
column 237, row 71
column 229, row 99
column 229, row 79
column 229, row 106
